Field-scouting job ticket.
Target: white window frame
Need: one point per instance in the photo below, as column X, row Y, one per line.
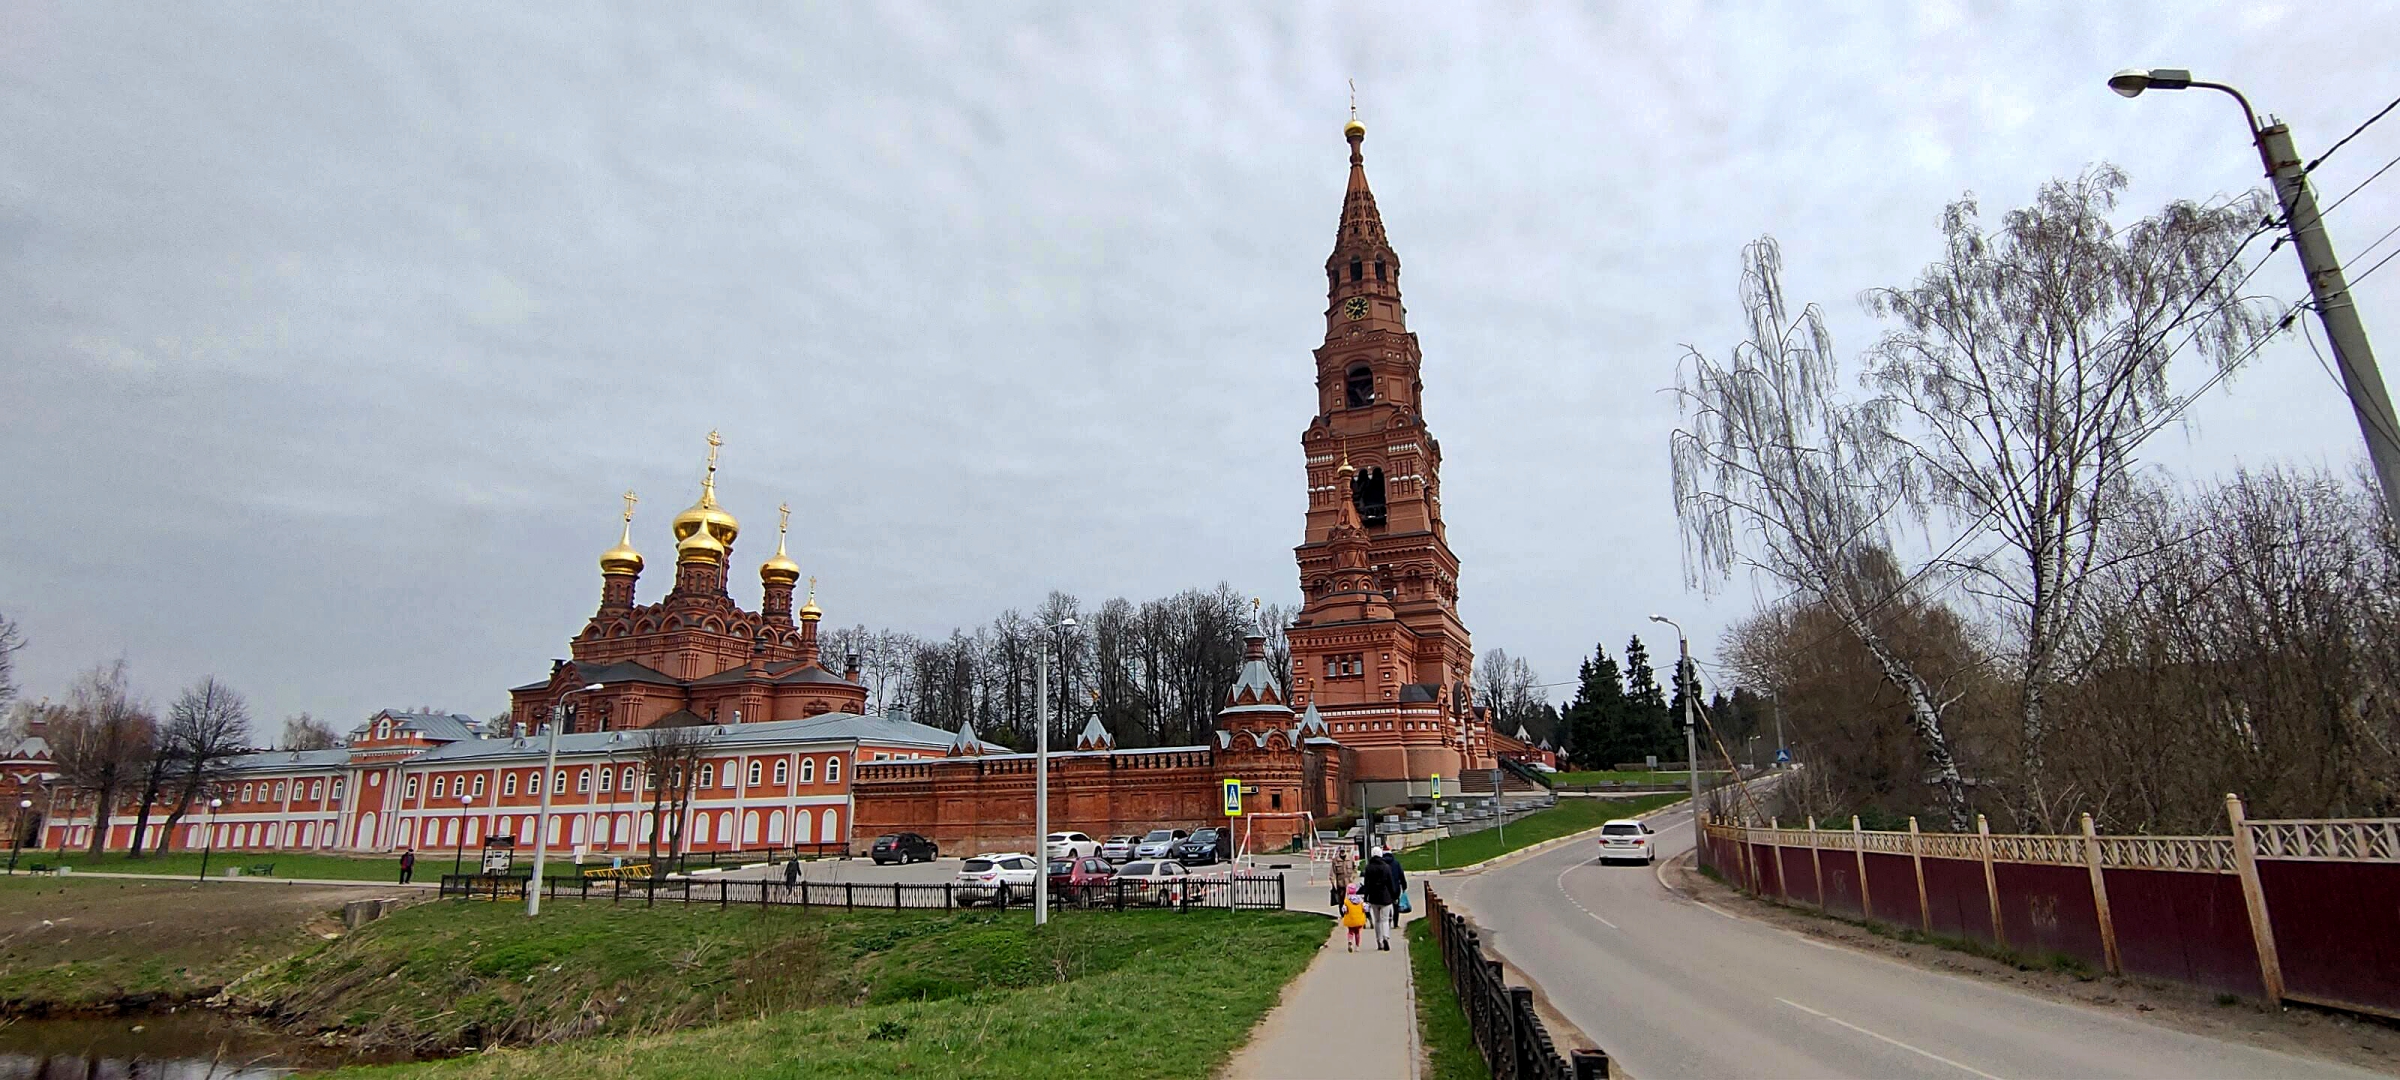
column 533, row 782
column 833, row 770
column 508, row 785
column 412, row 788
column 583, row 780
column 608, row 780
column 754, row 771
column 708, row 774
column 478, row 785
column 783, row 772
column 808, row 770
column 441, row 786
column 558, row 782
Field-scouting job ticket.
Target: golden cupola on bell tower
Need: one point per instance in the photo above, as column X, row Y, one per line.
column 620, row 566
column 704, row 534
column 777, row 575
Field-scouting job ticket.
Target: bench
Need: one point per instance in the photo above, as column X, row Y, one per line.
column 40, row 868
column 264, row 869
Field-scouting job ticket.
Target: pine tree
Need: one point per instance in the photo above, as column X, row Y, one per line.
column 1593, row 724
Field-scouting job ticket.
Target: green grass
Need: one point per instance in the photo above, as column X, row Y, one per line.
column 287, row 864
column 1569, row 816
column 697, row 992
column 1441, row 1024
column 1625, row 776
column 78, row 943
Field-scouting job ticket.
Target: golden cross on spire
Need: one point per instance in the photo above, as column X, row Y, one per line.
column 784, row 524
column 1354, row 99
column 630, row 499
column 812, row 588
column 714, row 441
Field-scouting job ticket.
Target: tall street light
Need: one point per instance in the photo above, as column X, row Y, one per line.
column 2361, row 380
column 464, row 801
column 17, row 844
column 541, row 827
column 211, row 849
column 1055, row 634
column 1691, row 689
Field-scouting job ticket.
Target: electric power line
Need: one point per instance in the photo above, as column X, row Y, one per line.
column 2371, row 270
column 2371, row 177
column 2344, row 140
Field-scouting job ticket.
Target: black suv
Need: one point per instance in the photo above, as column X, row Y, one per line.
column 904, row 847
column 1200, row 849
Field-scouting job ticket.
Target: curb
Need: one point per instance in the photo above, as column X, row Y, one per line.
column 1552, row 844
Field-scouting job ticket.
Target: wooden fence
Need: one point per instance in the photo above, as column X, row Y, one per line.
column 2279, row 910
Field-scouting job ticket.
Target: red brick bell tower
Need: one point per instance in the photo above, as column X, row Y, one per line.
column 1378, row 646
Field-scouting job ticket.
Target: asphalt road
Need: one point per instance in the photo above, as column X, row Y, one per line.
column 1672, row 988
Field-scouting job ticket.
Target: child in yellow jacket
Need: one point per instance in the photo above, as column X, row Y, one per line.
column 1354, row 915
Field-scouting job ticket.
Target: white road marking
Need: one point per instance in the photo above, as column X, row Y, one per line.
column 1562, row 891
column 1895, row 1042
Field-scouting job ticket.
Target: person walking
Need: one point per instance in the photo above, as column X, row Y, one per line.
column 1378, row 885
column 408, row 864
column 1354, row 915
column 791, row 875
column 1343, row 876
column 1399, row 888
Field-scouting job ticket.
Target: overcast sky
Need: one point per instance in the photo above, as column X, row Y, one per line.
column 329, row 333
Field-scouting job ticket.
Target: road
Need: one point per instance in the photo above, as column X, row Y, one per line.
column 1672, row 988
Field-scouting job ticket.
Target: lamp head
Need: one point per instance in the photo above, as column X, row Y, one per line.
column 1661, row 618
column 2132, row 81
column 215, row 803
column 594, row 686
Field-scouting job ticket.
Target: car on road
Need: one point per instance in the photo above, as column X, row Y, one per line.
column 1628, row 840
column 1080, row 880
column 903, row 848
column 1069, row 845
column 1147, row 881
column 984, row 877
column 1159, row 843
column 1119, row 848
column 1199, row 849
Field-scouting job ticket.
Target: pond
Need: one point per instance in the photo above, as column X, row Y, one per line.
column 191, row 1044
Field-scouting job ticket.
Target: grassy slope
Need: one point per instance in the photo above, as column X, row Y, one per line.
column 1569, row 816
column 1623, row 776
column 67, row 943
column 817, row 993
column 1441, row 1024
column 287, row 864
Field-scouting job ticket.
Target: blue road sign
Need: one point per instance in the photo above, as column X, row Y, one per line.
column 1783, row 757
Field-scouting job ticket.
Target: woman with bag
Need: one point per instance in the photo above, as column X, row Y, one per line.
column 1379, row 885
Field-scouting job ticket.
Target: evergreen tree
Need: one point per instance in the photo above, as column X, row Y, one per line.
column 1650, row 730
column 1593, row 725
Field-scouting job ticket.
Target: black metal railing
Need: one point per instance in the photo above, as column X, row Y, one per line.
column 1508, row 1030
column 1240, row 892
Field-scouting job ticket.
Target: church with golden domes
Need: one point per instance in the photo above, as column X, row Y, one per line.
column 695, row 656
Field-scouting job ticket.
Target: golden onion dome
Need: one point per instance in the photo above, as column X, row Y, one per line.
column 809, row 611
column 622, row 559
column 705, row 516
column 780, row 570
column 701, row 545
column 1354, row 129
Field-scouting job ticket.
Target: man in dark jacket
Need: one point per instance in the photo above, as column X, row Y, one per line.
column 1379, row 884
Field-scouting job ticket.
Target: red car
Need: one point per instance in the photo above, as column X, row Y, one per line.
column 1082, row 880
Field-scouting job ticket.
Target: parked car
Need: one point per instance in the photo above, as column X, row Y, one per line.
column 1069, row 845
column 1200, row 849
column 984, row 876
column 1080, row 880
column 1627, row 839
column 1160, row 882
column 903, row 848
column 1119, row 848
column 1159, row 843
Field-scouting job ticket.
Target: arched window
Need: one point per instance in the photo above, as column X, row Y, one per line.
column 1367, row 491
column 1358, row 269
column 754, row 772
column 412, row 788
column 607, row 780
column 708, row 775
column 629, row 778
column 508, row 785
column 782, row 771
column 808, row 773
column 833, row 770
column 583, row 781
column 441, row 786
column 1379, row 275
column 1359, row 386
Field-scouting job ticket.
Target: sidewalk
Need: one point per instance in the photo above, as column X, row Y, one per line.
column 353, row 882
column 1350, row 1016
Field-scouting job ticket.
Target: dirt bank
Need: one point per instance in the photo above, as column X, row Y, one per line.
column 73, row 946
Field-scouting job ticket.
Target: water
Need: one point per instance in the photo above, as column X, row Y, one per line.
column 193, row 1044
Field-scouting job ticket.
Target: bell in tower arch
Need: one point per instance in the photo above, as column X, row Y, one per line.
column 1366, row 492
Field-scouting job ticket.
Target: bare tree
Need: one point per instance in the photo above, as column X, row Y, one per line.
column 11, row 640
column 2027, row 366
column 100, row 739
column 1510, row 691
column 304, row 732
column 499, row 725
column 1775, row 473
column 206, row 729
column 670, row 758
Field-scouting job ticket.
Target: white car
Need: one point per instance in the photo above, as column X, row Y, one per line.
column 1144, row 881
column 1627, row 839
column 1070, row 845
column 982, row 877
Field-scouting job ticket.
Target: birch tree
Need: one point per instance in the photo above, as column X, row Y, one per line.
column 1775, row 473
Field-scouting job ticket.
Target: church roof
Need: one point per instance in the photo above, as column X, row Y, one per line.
column 1419, row 691
column 621, row 671
column 1094, row 734
column 332, row 757
column 437, row 727
column 1312, row 723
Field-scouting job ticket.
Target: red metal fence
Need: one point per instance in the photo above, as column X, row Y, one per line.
column 2298, row 910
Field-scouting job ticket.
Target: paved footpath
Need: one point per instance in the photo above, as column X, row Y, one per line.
column 1350, row 1016
column 352, row 882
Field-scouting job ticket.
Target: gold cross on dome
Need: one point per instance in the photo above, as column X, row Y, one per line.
column 1354, row 99
column 784, row 523
column 630, row 499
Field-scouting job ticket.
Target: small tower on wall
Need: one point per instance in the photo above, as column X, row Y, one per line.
column 620, row 567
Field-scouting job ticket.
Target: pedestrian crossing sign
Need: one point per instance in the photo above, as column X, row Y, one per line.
column 1233, row 798
column 1437, row 785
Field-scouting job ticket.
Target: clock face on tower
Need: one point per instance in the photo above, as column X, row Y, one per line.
column 1355, row 307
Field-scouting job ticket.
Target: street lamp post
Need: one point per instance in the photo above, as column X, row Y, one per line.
column 1691, row 689
column 17, row 843
column 541, row 826
column 464, row 801
column 211, row 849
column 2362, row 382
column 1041, row 765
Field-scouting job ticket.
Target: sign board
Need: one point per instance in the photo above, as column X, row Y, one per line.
column 1437, row 785
column 1783, row 757
column 1652, row 761
column 1233, row 798
column 497, row 860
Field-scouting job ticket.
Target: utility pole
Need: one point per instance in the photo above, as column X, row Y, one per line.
column 1691, row 737
column 1780, row 747
column 2362, row 382
column 1041, row 781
